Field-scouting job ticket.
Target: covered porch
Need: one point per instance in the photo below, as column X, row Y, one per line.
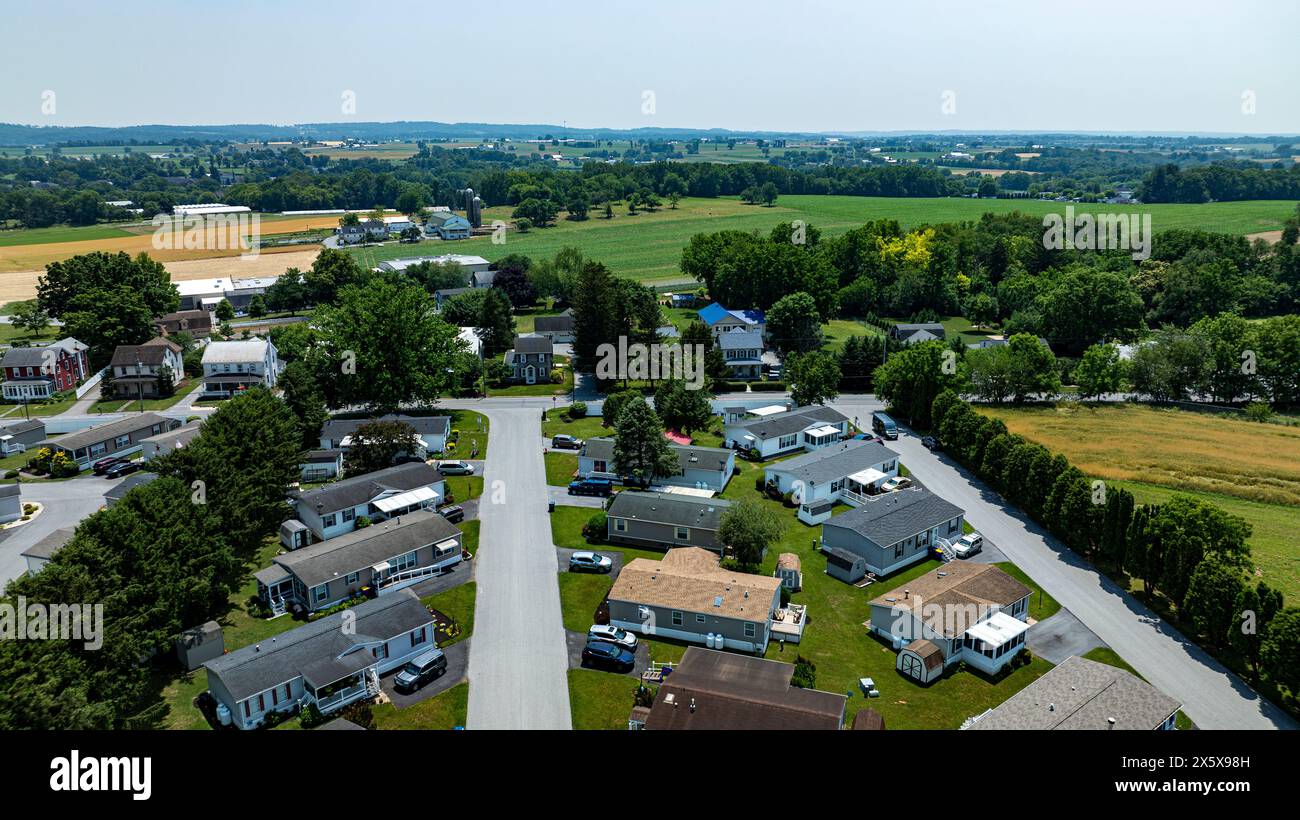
column 28, row 389
column 991, row 643
column 401, row 503
column 332, row 683
column 862, row 484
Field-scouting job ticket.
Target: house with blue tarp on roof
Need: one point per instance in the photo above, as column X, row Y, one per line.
column 740, row 336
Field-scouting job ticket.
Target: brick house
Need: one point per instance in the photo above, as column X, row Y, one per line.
column 40, row 372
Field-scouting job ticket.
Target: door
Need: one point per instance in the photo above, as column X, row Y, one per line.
column 530, row 374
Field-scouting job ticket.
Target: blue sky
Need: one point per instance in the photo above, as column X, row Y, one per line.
column 813, row 65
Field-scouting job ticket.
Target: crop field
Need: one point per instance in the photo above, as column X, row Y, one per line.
column 1249, row 469
column 648, row 246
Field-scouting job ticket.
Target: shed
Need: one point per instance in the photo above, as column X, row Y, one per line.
column 868, row 719
column 790, row 570
column 11, row 502
column 921, row 660
column 199, row 644
column 846, row 566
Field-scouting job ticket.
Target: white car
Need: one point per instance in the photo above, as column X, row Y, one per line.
column 612, row 634
column 898, row 482
column 968, row 545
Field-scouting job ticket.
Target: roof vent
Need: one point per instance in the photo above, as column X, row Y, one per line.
column 1051, row 707
column 693, row 709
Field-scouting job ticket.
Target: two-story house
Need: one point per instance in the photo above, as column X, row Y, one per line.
column 333, row 510
column 33, row 373
column 229, row 367
column 384, row 557
column 531, row 359
column 742, row 350
column 960, row 612
column 447, row 225
column 720, row 320
column 893, row 530
column 138, row 370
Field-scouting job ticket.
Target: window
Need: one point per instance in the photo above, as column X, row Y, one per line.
column 620, row 525
column 288, row 693
column 380, row 652
column 699, row 619
column 261, row 703
column 407, row 561
column 417, row 637
column 750, row 630
column 318, row 593
column 683, row 534
column 898, row 550
column 786, row 442
column 353, row 577
column 349, row 514
column 677, row 618
column 247, row 712
column 329, row 521
column 275, row 697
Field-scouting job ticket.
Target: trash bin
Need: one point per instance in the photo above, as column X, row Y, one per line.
column 550, row 506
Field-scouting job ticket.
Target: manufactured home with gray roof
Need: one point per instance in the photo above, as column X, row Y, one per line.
column 848, row 471
column 892, row 530
column 123, row 437
column 333, row 510
column 802, row 428
column 699, row 467
column 664, row 520
column 320, row 663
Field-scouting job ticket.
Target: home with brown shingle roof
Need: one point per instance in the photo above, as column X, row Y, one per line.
column 688, row 596
column 960, row 612
column 138, row 370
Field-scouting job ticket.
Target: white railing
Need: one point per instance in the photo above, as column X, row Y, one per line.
column 850, row 497
column 342, row 697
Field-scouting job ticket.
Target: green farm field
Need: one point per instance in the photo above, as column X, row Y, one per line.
column 648, row 246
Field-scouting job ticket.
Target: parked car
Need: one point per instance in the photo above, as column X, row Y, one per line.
column 408, row 458
column 883, row 425
column 566, row 442
column 591, row 486
column 121, row 468
column 896, row 483
column 104, row 463
column 453, row 514
column 612, row 634
column 587, row 561
column 930, row 442
column 607, row 656
column 968, row 545
column 455, row 468
column 420, row 670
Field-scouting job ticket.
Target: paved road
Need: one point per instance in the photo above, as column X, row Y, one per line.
column 1212, row 696
column 518, row 659
column 66, row 504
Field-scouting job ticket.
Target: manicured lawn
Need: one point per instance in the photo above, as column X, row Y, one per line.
column 10, row 334
column 456, row 603
column 600, row 700
column 1041, row 605
column 583, row 428
column 542, row 388
column 469, row 535
column 837, row 331
column 49, row 409
column 464, row 487
column 445, row 710
column 560, row 468
column 123, row 405
column 473, row 427
column 580, row 594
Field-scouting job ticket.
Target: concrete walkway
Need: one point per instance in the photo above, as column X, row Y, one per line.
column 518, row 658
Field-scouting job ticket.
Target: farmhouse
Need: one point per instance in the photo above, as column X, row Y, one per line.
column 383, row 558
column 447, row 225
column 697, row 467
column 892, row 530
column 116, row 438
column 974, row 613
column 711, row 691
column 197, row 323
column 231, row 367
column 531, row 359
column 687, row 596
column 430, row 432
column 1083, row 694
column 777, row 430
column 721, row 321
column 333, row 510
column 742, row 350
column 664, row 521
column 142, row 371
column 848, row 472
column 42, row 371
column 320, row 663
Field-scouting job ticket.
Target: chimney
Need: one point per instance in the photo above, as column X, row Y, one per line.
column 907, row 593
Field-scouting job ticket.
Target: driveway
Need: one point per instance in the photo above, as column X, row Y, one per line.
column 457, row 663
column 616, row 560
column 1060, row 636
column 518, row 661
column 65, row 504
column 561, row 497
column 576, row 641
column 1212, row 696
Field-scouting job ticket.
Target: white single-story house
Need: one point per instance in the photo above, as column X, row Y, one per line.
column 333, row 510
column 707, row 468
column 431, row 432
column 776, row 430
column 962, row 611
column 847, row 472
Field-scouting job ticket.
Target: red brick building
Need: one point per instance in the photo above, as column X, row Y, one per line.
column 40, row 372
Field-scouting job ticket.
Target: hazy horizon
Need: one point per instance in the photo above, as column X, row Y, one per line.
column 828, row 67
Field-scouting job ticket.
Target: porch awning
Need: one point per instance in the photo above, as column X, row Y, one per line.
column 450, row 543
column 382, row 566
column 321, row 673
column 824, row 430
column 997, row 630
column 410, row 498
column 272, row 575
column 868, row 476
